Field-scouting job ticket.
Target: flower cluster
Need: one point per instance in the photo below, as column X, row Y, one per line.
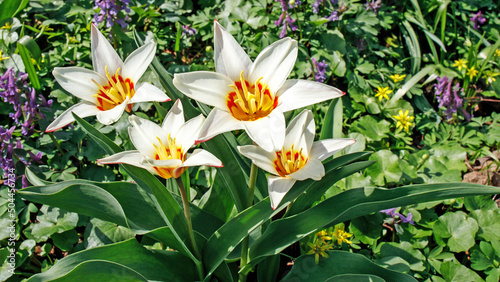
column 478, row 20
column 285, row 20
column 323, row 241
column 404, row 219
column 319, row 70
column 14, row 89
column 188, row 31
column 374, row 5
column 450, row 97
column 111, row 11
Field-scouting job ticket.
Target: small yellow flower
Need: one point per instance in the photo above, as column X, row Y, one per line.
column 404, row 121
column 392, row 41
column 397, row 78
column 341, row 235
column 460, row 64
column 7, row 26
column 472, row 72
column 3, row 58
column 323, row 236
column 490, row 76
column 383, row 93
column 319, row 249
column 497, row 52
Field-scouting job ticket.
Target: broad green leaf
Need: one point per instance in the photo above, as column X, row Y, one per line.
column 53, row 220
column 368, row 228
column 351, row 204
column 489, row 223
column 339, row 263
column 126, row 260
column 454, row 271
column 355, row 277
column 65, row 240
column 459, row 228
column 32, row 47
column 28, row 64
column 9, row 8
column 404, row 250
column 372, row 128
column 483, row 257
column 413, row 44
column 386, row 168
column 122, row 203
column 268, row 269
column 99, row 233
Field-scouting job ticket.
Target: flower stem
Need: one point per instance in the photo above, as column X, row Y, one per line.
column 54, row 140
column 187, row 215
column 245, row 242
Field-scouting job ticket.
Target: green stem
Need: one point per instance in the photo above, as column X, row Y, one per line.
column 58, row 146
column 187, row 215
column 245, row 242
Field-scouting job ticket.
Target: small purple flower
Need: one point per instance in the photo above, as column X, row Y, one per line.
column 112, row 11
column 188, row 31
column 285, row 20
column 445, row 98
column 478, row 19
column 319, row 70
column 333, row 17
column 374, row 5
column 406, row 219
column 391, row 212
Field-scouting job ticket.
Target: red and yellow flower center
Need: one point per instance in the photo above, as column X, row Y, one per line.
column 289, row 161
column 250, row 102
column 114, row 92
column 167, row 152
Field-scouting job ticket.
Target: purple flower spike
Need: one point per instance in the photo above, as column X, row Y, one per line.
column 111, row 11
column 451, row 101
column 319, row 70
column 478, row 20
column 374, row 5
column 391, row 212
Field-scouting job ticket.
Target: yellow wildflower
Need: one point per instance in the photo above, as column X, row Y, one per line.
column 3, row 58
column 341, row 235
column 397, row 78
column 383, row 93
column 392, row 41
column 490, row 76
column 404, row 121
column 472, row 72
column 323, row 236
column 319, row 249
column 460, row 64
column 7, row 26
column 497, row 52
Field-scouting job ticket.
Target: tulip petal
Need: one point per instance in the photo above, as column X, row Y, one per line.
column 278, row 187
column 325, row 148
column 147, row 92
column 111, row 116
column 138, row 61
column 189, row 131
column 300, row 132
column 312, row 169
column 170, row 163
column 218, row 122
column 143, row 135
column 83, row 109
column 79, row 82
column 230, row 59
column 210, row 88
column 201, row 157
column 103, row 53
column 297, row 93
column 174, row 119
column 268, row 132
column 127, row 157
column 275, row 63
column 259, row 157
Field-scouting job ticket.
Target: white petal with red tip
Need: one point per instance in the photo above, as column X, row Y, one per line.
column 300, row 132
column 218, row 122
column 103, row 53
column 275, row 63
column 325, row 148
column 189, row 131
column 296, row 93
column 143, row 135
column 278, row 187
column 313, row 169
column 127, row 157
column 138, row 61
column 146, row 92
column 259, row 157
column 210, row 88
column 111, row 116
column 268, row 132
column 201, row 157
column 83, row 109
column 79, row 82
column 230, row 59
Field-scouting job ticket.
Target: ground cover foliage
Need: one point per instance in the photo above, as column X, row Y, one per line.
column 422, row 91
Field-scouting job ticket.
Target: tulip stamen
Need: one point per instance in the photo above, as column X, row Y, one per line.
column 168, row 151
column 250, row 102
column 289, row 161
column 115, row 92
